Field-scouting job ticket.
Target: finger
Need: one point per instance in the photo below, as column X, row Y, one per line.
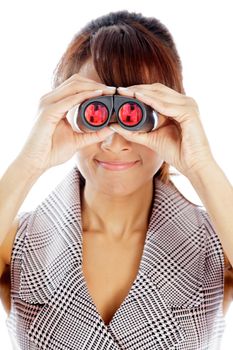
column 143, row 138
column 155, row 87
column 76, row 76
column 154, row 139
column 56, row 111
column 86, row 139
column 130, row 135
column 74, row 87
column 177, row 112
column 164, row 96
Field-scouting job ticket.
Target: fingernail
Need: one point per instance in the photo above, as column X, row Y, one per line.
column 112, row 128
column 110, row 87
column 122, row 88
column 121, row 130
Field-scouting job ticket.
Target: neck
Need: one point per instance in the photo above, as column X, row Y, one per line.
column 116, row 217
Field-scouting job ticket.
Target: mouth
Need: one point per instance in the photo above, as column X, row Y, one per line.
column 116, row 165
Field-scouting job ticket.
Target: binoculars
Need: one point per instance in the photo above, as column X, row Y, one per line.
column 96, row 113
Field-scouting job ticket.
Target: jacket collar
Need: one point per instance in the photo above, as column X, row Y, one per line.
column 170, row 273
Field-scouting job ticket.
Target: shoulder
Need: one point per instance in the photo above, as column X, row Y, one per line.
column 215, row 244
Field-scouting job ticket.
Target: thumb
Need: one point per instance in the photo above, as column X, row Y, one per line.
column 140, row 137
column 87, row 138
column 159, row 140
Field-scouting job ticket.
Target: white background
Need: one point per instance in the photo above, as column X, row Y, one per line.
column 34, row 35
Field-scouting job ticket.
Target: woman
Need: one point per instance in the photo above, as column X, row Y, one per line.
column 115, row 257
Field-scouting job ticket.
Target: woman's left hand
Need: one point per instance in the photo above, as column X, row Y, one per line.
column 179, row 138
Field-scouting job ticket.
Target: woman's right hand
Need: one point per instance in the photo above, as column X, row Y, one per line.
column 52, row 140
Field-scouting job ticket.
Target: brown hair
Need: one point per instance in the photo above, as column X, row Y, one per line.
column 126, row 49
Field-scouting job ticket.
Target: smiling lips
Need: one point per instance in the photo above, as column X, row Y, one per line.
column 116, row 165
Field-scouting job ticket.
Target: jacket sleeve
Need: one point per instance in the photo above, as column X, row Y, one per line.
column 213, row 279
column 214, row 263
column 17, row 248
column 214, row 249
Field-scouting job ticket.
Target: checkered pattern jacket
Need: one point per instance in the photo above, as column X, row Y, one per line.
column 175, row 302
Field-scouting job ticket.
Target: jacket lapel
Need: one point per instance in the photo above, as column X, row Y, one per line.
column 174, row 254
column 170, row 273
column 53, row 242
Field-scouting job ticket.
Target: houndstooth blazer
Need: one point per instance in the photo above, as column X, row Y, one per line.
column 175, row 301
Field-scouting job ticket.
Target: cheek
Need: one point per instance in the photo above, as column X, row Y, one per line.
column 87, row 153
column 83, row 158
column 151, row 160
column 151, row 167
column 151, row 163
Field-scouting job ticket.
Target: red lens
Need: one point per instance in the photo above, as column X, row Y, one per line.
column 130, row 114
column 96, row 113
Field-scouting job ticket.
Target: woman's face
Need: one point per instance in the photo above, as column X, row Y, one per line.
column 115, row 148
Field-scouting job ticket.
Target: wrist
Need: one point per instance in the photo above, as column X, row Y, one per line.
column 27, row 169
column 202, row 170
column 207, row 177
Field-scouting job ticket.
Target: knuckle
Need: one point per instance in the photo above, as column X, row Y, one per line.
column 194, row 102
column 43, row 97
column 72, row 77
column 41, row 108
column 159, row 93
column 41, row 102
column 158, row 85
column 196, row 110
column 191, row 101
column 75, row 84
column 80, row 86
column 183, row 101
column 164, row 105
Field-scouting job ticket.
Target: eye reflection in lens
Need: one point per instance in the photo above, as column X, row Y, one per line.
column 130, row 114
column 96, row 114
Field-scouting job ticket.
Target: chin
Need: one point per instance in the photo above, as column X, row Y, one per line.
column 116, row 186
column 117, row 192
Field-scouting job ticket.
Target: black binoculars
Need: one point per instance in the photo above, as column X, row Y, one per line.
column 96, row 113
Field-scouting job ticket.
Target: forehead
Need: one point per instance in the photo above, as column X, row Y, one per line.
column 87, row 70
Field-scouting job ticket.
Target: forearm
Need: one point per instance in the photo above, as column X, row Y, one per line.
column 216, row 193
column 15, row 184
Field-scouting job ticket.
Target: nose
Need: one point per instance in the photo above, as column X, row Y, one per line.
column 113, row 118
column 116, row 143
